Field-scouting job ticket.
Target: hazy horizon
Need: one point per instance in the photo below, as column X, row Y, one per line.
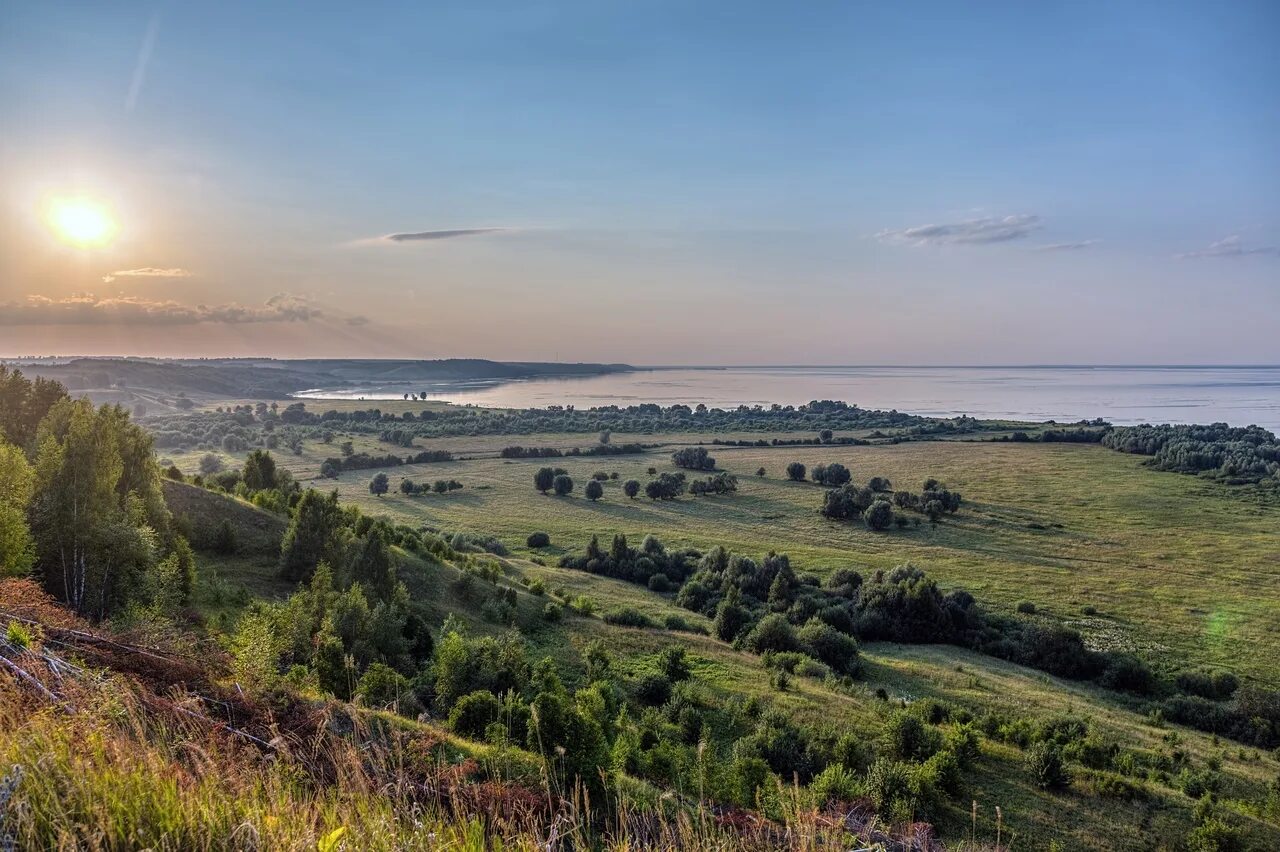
column 725, row 183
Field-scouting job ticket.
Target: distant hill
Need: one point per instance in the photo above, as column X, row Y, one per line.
column 268, row 378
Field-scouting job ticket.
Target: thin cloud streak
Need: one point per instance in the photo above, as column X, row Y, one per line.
column 1076, row 246
column 144, row 60
column 981, row 231
column 416, row 236
column 1232, row 246
column 147, row 272
column 87, row 309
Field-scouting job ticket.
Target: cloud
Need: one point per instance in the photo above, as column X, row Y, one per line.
column 87, row 309
column 970, row 232
column 1232, row 246
column 1076, row 246
column 357, row 320
column 416, row 236
column 146, row 272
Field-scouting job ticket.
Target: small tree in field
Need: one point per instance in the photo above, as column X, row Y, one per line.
column 879, row 516
column 631, row 488
column 795, row 472
column 594, row 490
column 379, row 485
column 544, row 479
column 825, row 436
column 760, row 472
column 562, row 485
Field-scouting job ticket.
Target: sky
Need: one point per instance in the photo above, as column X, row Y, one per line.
column 645, row 182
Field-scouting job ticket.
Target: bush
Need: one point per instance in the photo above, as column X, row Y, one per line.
column 1214, row 835
column 552, row 612
column 825, row 643
column 693, row 458
column 562, row 485
column 834, row 784
column 1026, row 608
column 383, row 686
column 653, row 690
column 795, row 472
column 1214, row 685
column 475, row 712
column 773, row 633
column 910, row 738
column 660, row 583
column 1046, row 765
column 631, row 488
column 628, row 617
column 538, row 539
column 1127, row 673
column 594, row 490
column 879, row 516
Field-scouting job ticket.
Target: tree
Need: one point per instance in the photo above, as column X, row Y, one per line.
column 604, row 436
column 731, row 616
column 17, row 487
column 846, row 502
column 544, row 479
column 834, row 474
column 259, row 471
column 379, row 485
column 562, row 485
column 98, row 516
column 825, row 436
column 23, row 404
column 210, row 463
column 760, row 472
column 879, row 515
column 693, row 458
column 316, row 533
column 224, row 538
column 1046, row 765
column 795, row 472
column 631, row 488
column 594, row 490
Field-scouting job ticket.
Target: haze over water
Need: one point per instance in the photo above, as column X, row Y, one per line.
column 1239, row 396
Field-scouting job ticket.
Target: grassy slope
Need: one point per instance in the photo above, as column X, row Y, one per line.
column 1182, row 569
column 1074, row 818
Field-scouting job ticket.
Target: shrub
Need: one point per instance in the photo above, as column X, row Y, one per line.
column 538, row 539
column 600, row 476
column 594, row 490
column 383, row 686
column 879, row 516
column 1046, row 765
column 796, row 472
column 693, row 458
column 653, row 690
column 773, row 633
column 822, row 641
column 631, row 488
column 834, row 784
column 628, row 617
column 910, row 738
column 1127, row 673
column 552, row 612
column 474, row 712
column 1214, row 685
column 660, row 583
column 1026, row 607
column 1197, row 784
column 562, row 485
column 1214, row 835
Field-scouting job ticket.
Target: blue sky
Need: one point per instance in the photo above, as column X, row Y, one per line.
column 672, row 182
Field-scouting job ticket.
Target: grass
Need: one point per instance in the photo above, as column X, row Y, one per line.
column 1182, row 570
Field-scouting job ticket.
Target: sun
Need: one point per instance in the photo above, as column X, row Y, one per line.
column 81, row 222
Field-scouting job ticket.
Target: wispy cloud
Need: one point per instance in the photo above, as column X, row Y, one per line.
column 1076, row 246
column 988, row 229
column 147, row 272
column 144, row 59
column 416, row 236
column 87, row 309
column 1232, row 246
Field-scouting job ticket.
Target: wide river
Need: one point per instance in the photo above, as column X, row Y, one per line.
column 1236, row 395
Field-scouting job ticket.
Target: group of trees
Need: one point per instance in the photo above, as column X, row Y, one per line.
column 81, row 506
column 331, row 467
column 440, row 486
column 1236, row 455
column 720, row 483
column 604, row 448
column 872, row 503
column 693, row 458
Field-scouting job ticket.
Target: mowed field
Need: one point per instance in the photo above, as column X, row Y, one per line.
column 1184, row 570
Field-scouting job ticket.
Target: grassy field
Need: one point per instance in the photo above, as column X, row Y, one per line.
column 1120, row 522
column 1183, row 570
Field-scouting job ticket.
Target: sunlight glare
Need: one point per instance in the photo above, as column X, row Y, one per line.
column 81, row 222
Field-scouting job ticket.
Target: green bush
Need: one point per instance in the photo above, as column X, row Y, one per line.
column 473, row 714
column 538, row 539
column 1046, row 765
column 1026, row 608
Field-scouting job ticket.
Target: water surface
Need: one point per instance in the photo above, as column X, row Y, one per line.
column 1125, row 395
